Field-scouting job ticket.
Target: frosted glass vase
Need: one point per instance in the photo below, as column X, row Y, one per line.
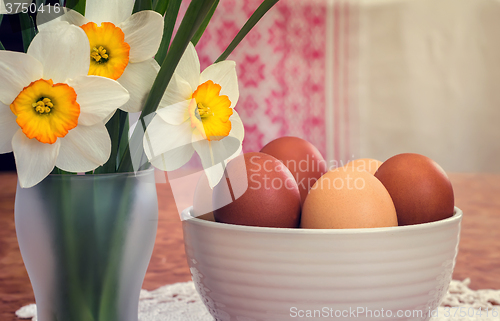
column 86, row 242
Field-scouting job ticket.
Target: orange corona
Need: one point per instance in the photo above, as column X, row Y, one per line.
column 109, row 53
column 210, row 111
column 46, row 111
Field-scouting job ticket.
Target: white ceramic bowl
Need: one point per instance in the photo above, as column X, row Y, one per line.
column 246, row 273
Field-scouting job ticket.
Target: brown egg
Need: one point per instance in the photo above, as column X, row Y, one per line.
column 203, row 194
column 343, row 198
column 419, row 187
column 207, row 217
column 302, row 158
column 364, row 164
column 271, row 196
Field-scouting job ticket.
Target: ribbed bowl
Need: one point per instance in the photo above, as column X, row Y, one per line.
column 246, row 273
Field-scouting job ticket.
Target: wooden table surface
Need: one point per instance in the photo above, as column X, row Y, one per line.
column 478, row 195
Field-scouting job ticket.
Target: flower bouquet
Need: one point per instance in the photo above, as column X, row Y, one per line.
column 86, row 207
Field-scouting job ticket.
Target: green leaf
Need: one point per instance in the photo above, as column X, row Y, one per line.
column 113, row 127
column 77, row 5
column 1, row 45
column 195, row 14
column 117, row 128
column 161, row 6
column 28, row 30
column 204, row 25
column 256, row 16
column 124, row 125
column 141, row 5
column 168, row 29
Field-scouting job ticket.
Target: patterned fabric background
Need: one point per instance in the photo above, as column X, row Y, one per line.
column 370, row 78
column 293, row 71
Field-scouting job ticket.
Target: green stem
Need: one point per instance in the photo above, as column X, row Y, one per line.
column 124, row 130
column 107, row 304
column 195, row 14
column 28, row 30
column 204, row 25
column 168, row 29
column 161, row 6
column 141, row 5
column 256, row 16
column 1, row 45
column 77, row 5
column 113, row 127
column 78, row 305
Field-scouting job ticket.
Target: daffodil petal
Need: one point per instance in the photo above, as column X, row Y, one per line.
column 173, row 160
column 236, row 154
column 214, row 174
column 178, row 90
column 175, row 114
column 138, row 79
column 51, row 14
column 215, row 152
column 237, row 128
column 84, row 148
column 34, row 160
column 114, row 11
column 17, row 70
column 63, row 50
column 98, row 98
column 224, row 74
column 189, row 67
column 143, row 32
column 168, row 147
column 8, row 128
column 238, row 132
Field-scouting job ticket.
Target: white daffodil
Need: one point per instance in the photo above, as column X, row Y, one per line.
column 122, row 45
column 197, row 113
column 51, row 112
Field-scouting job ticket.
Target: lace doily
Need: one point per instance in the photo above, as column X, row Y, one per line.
column 181, row 302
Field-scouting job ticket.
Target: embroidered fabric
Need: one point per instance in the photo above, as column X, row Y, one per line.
column 181, row 302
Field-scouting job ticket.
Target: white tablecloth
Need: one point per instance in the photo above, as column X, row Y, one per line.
column 181, row 302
